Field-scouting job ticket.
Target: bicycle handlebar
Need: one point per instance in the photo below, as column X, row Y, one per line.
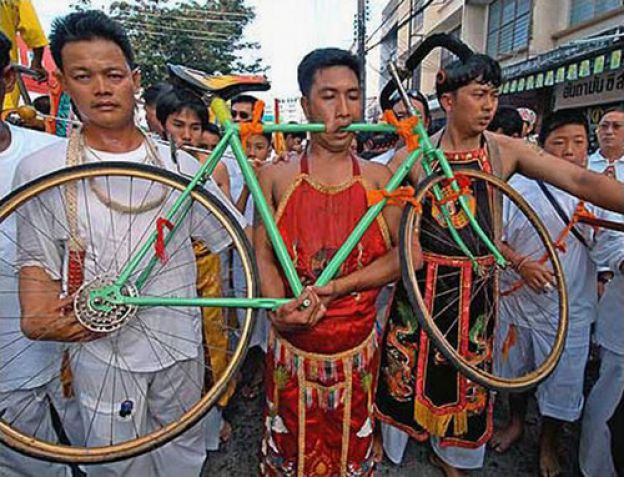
column 443, row 40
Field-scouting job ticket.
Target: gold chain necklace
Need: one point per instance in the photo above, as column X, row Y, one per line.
column 76, row 149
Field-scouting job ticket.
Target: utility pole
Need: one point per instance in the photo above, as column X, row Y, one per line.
column 362, row 15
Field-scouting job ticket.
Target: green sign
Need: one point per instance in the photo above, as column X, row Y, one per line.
column 561, row 72
column 550, row 78
column 521, row 83
column 572, row 72
column 506, row 87
column 599, row 64
column 539, row 80
column 616, row 59
column 530, row 82
column 585, row 69
column 514, row 86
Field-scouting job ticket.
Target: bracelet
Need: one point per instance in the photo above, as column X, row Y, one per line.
column 518, row 265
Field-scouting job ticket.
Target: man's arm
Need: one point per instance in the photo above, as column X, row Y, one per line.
column 46, row 316
column 534, row 162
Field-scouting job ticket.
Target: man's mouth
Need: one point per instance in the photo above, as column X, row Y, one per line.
column 106, row 106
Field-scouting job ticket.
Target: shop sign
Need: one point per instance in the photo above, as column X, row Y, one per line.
column 607, row 87
column 585, row 69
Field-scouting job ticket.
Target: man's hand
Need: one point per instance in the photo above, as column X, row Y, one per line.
column 328, row 293
column 286, row 156
column 299, row 314
column 536, row 276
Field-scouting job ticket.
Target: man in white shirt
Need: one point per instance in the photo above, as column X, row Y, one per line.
column 594, row 454
column 28, row 369
column 525, row 312
column 144, row 376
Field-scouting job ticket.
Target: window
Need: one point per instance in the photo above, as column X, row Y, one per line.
column 508, row 26
column 446, row 56
column 417, row 20
column 583, row 10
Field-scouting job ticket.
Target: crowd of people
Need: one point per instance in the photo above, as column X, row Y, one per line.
column 326, row 361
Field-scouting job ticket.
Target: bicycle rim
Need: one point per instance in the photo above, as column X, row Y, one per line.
column 195, row 371
column 479, row 340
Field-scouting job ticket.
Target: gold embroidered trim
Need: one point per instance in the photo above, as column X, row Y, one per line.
column 332, row 189
column 274, row 336
column 302, row 421
column 284, row 200
column 346, row 418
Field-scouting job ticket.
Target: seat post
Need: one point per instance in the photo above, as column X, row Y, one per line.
column 221, row 110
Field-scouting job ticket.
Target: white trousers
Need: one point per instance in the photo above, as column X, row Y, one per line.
column 560, row 396
column 117, row 405
column 595, row 448
column 29, row 411
column 395, row 441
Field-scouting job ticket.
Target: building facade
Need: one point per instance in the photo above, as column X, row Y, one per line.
column 555, row 53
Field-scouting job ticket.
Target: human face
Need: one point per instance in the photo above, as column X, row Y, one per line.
column 100, row 82
column 153, row 123
column 611, row 131
column 401, row 111
column 241, row 112
column 184, row 128
column 568, row 142
column 258, row 149
column 294, row 144
column 472, row 107
column 334, row 100
column 209, row 140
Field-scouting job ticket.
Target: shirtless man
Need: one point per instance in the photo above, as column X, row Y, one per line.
column 317, row 198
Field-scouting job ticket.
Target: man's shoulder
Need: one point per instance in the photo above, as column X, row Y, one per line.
column 46, row 154
column 374, row 170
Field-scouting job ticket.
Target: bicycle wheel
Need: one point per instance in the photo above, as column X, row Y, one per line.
column 152, row 372
column 478, row 319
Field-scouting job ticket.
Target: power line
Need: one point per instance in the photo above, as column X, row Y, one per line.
column 388, row 17
column 182, row 17
column 227, row 13
column 162, row 27
column 403, row 22
column 154, row 33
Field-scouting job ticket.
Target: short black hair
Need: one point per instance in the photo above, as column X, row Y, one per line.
column 561, row 118
column 213, row 129
column 480, row 68
column 324, row 58
column 508, row 119
column 178, row 99
column 42, row 104
column 151, row 93
column 5, row 51
column 244, row 98
column 87, row 26
column 414, row 94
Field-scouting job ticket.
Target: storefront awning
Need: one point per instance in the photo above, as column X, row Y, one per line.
column 571, row 63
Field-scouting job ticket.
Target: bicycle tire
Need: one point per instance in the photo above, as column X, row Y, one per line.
column 34, row 447
column 410, row 219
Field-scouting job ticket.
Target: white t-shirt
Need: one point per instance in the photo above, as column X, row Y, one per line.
column 527, row 308
column 24, row 364
column 156, row 337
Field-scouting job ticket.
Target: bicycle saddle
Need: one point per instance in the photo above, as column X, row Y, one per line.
column 224, row 86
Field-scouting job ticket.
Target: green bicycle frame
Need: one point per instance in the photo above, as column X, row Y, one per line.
column 182, row 205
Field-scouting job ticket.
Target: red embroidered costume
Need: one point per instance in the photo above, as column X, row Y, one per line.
column 320, row 382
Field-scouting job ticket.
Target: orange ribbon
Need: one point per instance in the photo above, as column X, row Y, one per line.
column 559, row 244
column 400, row 196
column 404, row 128
column 254, row 126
